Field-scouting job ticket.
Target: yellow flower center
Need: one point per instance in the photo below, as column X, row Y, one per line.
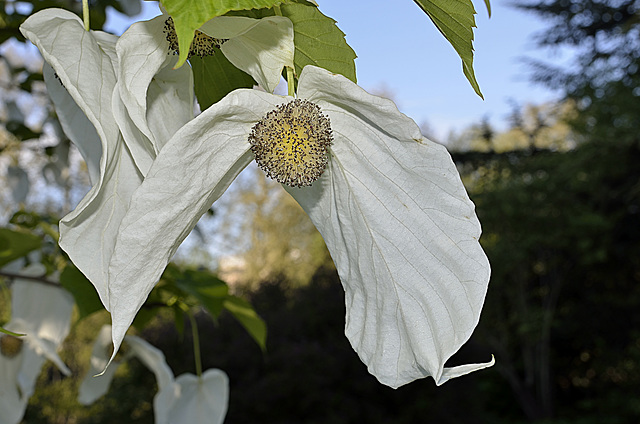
column 10, row 346
column 291, row 142
column 202, row 45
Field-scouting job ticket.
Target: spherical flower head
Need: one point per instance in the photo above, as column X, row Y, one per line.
column 291, row 142
column 202, row 45
column 10, row 346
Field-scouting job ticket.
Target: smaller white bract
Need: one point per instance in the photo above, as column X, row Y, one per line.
column 390, row 206
column 93, row 386
column 186, row 399
column 43, row 313
column 193, row 399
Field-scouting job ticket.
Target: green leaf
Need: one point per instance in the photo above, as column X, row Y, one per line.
column 82, row 291
column 319, row 41
column 455, row 20
column 214, row 77
column 247, row 316
column 143, row 317
column 210, row 291
column 11, row 333
column 14, row 245
column 488, row 4
column 189, row 15
column 178, row 319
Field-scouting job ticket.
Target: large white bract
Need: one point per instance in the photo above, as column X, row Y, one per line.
column 390, row 206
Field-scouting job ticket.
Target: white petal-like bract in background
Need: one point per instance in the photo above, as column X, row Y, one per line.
column 193, row 399
column 119, row 136
column 43, row 313
column 93, row 386
column 85, row 63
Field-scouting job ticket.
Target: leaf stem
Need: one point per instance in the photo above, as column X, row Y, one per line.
column 196, row 344
column 85, row 14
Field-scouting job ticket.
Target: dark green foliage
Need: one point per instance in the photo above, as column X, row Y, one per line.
column 561, row 231
column 310, row 373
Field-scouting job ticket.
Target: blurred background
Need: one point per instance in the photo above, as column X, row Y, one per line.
column 556, row 182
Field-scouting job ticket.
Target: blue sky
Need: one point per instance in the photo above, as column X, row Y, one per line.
column 398, row 47
column 401, row 52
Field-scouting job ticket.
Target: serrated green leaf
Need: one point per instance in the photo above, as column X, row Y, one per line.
column 247, row 316
column 319, row 41
column 15, row 244
column 189, row 15
column 455, row 20
column 82, row 291
column 214, row 77
column 210, row 291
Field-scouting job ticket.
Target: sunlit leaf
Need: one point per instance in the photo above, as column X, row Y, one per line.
column 318, row 40
column 209, row 290
column 455, row 20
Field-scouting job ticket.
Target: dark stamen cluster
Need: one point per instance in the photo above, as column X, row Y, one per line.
column 202, row 45
column 291, row 142
column 10, row 346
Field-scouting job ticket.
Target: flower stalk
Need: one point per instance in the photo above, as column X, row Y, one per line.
column 290, row 82
column 85, row 14
column 196, row 343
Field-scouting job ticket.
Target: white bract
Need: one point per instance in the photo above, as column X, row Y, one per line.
column 390, row 206
column 43, row 313
column 186, row 399
column 193, row 399
column 81, row 73
column 85, row 63
column 94, row 386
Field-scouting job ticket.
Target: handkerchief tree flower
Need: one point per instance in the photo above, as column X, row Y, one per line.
column 388, row 202
column 185, row 399
column 43, row 314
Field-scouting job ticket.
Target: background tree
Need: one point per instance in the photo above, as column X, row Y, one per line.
column 268, row 235
column 603, row 76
